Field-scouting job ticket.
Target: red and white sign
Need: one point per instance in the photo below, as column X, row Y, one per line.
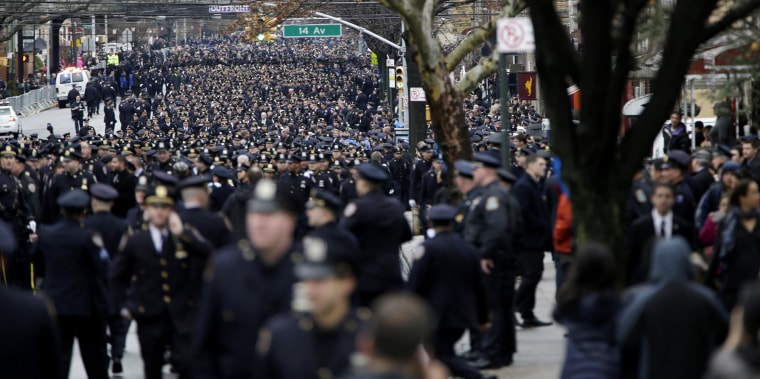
column 515, row 35
column 416, row 94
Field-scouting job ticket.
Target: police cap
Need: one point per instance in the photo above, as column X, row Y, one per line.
column 677, row 159
column 222, row 172
column 104, row 192
column 464, row 168
column 372, row 172
column 200, row 181
column 442, row 213
column 159, row 196
column 506, row 176
column 75, row 199
column 165, row 178
column 324, row 199
column 488, row 158
column 327, row 256
column 269, row 198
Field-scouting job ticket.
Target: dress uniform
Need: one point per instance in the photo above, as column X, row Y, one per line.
column 65, row 182
column 111, row 229
column 74, row 263
column 209, row 224
column 135, row 215
column 379, row 224
column 162, row 300
column 14, row 211
column 446, row 273
column 400, row 169
column 31, row 341
column 685, row 205
column 464, row 169
column 241, row 293
column 297, row 345
column 222, row 189
column 491, row 225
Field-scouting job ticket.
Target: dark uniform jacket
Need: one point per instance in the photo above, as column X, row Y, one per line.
column 162, row 281
column 209, row 224
column 493, row 222
column 74, row 264
column 241, row 292
column 110, row 227
column 379, row 224
column 30, row 343
column 537, row 233
column 293, row 346
column 446, row 273
column 125, row 184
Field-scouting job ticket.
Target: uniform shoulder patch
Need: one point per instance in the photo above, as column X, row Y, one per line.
column 492, row 203
column 97, row 239
column 32, row 188
column 641, row 196
column 350, row 210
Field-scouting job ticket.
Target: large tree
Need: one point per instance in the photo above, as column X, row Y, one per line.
column 15, row 14
column 598, row 163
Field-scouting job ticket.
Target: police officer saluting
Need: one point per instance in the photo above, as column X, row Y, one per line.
column 446, row 273
column 162, row 300
column 74, row 264
column 318, row 343
column 379, row 224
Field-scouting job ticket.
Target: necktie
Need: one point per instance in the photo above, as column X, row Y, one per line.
column 164, row 241
column 662, row 229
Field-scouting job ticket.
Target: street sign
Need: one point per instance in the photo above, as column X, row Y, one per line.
column 390, row 62
column 229, row 9
column 515, row 35
column 392, row 77
column 78, row 30
column 312, row 31
column 416, row 94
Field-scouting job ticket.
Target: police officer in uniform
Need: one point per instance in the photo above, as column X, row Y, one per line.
column 317, row 343
column 30, row 334
column 163, row 299
column 30, row 188
column 196, row 201
column 72, row 178
column 111, row 229
column 246, row 284
column 379, row 224
column 446, row 273
column 675, row 170
column 135, row 218
column 400, row 169
column 469, row 190
column 74, row 262
column 14, row 211
column 221, row 189
column 491, row 225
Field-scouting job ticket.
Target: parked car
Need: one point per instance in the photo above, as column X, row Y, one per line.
column 10, row 121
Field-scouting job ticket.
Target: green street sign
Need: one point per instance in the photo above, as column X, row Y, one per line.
column 87, row 26
column 311, row 31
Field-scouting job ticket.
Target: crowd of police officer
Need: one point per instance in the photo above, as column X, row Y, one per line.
column 246, row 209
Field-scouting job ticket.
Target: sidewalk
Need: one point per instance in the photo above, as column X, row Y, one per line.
column 540, row 351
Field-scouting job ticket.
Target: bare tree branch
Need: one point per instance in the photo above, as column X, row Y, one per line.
column 15, row 21
column 477, row 37
column 735, row 14
column 445, row 5
column 485, row 68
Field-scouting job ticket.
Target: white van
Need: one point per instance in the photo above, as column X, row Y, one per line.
column 68, row 78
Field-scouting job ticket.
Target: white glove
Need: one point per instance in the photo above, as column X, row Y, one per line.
column 412, row 203
column 32, row 226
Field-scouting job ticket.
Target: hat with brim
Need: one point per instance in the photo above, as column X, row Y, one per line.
column 327, row 256
column 75, row 199
column 372, row 172
column 268, row 198
column 8, row 150
column 159, row 196
column 70, row 155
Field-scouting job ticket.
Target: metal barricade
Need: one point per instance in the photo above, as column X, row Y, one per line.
column 34, row 101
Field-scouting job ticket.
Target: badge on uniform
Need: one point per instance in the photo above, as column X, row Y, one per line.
column 459, row 218
column 492, row 203
column 350, row 210
column 32, row 187
column 641, row 197
column 315, row 249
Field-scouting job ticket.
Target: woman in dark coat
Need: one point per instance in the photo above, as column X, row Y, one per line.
column 587, row 306
column 736, row 256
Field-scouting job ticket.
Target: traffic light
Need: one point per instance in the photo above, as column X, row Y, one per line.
column 25, row 58
column 399, row 78
column 271, row 35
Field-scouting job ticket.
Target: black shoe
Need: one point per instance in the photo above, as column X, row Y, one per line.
column 472, row 355
column 116, row 367
column 486, row 364
column 488, row 376
column 534, row 322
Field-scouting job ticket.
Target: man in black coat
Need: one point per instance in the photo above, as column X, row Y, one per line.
column 535, row 239
column 31, row 340
column 124, row 183
column 74, row 263
column 379, row 224
column 162, row 301
column 661, row 223
column 446, row 273
column 91, row 96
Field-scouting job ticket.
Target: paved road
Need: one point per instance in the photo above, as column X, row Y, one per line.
column 540, row 353
column 61, row 121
